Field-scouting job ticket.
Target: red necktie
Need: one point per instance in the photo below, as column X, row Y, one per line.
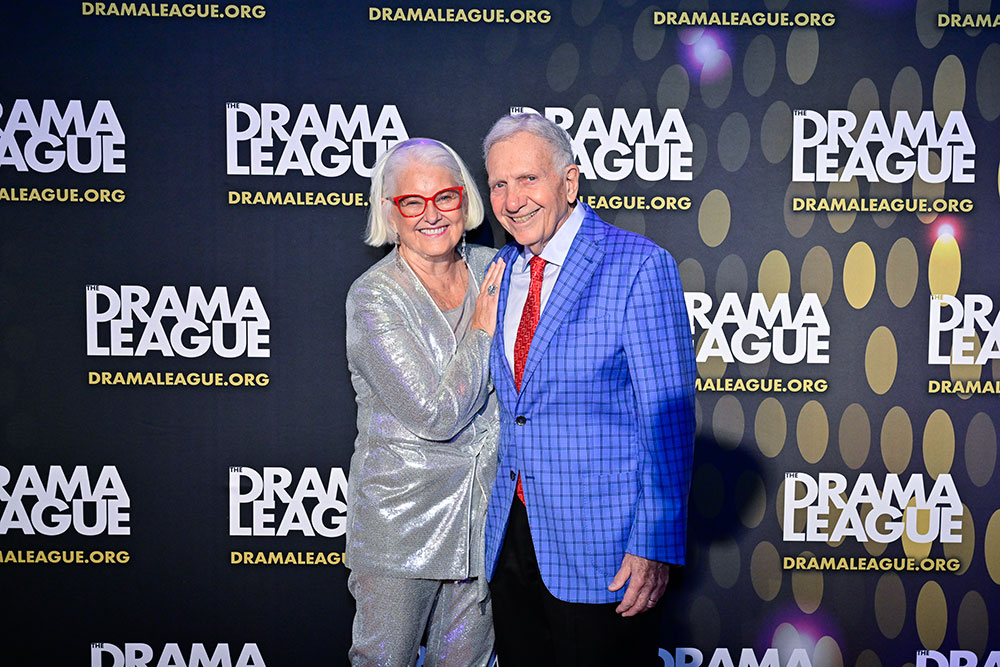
column 526, row 330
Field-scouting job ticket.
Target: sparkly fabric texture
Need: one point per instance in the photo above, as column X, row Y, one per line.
column 425, row 455
column 392, row 614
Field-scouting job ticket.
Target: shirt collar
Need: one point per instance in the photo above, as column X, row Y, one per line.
column 556, row 250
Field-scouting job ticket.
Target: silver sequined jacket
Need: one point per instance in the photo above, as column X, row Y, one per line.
column 425, row 456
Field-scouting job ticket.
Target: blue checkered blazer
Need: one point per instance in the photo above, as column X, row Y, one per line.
column 603, row 428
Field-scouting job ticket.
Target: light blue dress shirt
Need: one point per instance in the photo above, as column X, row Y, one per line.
column 554, row 253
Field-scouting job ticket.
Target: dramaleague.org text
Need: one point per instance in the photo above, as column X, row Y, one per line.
column 159, row 379
column 62, row 556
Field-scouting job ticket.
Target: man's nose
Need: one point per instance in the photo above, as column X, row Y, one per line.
column 513, row 198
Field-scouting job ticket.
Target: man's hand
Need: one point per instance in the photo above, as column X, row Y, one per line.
column 647, row 579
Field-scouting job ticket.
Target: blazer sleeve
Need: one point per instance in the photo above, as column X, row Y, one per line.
column 433, row 403
column 661, row 364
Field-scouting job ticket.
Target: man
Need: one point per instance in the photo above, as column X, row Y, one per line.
column 594, row 367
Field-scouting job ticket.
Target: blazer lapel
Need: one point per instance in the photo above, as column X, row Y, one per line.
column 500, row 365
column 581, row 262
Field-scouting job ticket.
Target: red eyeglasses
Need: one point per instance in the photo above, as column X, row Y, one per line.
column 413, row 206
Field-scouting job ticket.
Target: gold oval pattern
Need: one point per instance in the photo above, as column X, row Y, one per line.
column 828, row 652
column 841, row 221
column 944, row 269
column 965, row 550
column 859, row 275
column 926, row 21
column 812, row 431
column 949, row 88
column 854, row 436
column 715, row 88
column 931, row 615
column 991, row 547
column 728, row 422
column 798, row 222
column 881, row 360
column 987, row 91
column 907, row 94
column 896, row 440
column 787, row 637
column 674, row 89
column 807, row 587
column 647, row 37
column 817, row 273
column 751, row 498
column 890, row 605
column 868, row 658
column 924, row 190
column 692, row 275
column 776, row 132
column 770, row 427
column 714, row 217
column 862, row 101
column 774, row 276
column 802, row 54
column 938, row 443
column 731, row 276
column 724, row 562
column 980, row 449
column 765, row 571
column 973, row 623
column 901, row 272
column 759, row 65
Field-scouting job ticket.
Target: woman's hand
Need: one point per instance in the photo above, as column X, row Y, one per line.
column 485, row 316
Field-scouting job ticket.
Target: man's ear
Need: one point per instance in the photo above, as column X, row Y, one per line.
column 572, row 177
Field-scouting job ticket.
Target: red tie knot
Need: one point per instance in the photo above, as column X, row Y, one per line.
column 537, row 265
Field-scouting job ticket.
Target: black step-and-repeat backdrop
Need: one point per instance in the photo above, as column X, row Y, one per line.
column 183, row 189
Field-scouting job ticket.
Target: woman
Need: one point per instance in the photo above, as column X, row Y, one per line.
column 418, row 336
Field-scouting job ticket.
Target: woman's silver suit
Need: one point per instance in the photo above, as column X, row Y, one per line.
column 423, row 465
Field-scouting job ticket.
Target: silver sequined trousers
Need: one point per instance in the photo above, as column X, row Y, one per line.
column 393, row 612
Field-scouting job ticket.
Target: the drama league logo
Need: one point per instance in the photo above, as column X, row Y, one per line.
column 614, row 149
column 752, row 333
column 868, row 512
column 129, row 322
column 955, row 324
column 51, row 135
column 104, row 654
column 892, row 150
column 927, row 658
column 271, row 502
column 56, row 500
column 267, row 140
column 724, row 657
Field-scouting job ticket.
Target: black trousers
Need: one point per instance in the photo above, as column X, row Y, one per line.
column 535, row 628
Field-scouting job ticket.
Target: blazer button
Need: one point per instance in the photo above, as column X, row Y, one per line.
column 521, row 420
column 512, row 476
